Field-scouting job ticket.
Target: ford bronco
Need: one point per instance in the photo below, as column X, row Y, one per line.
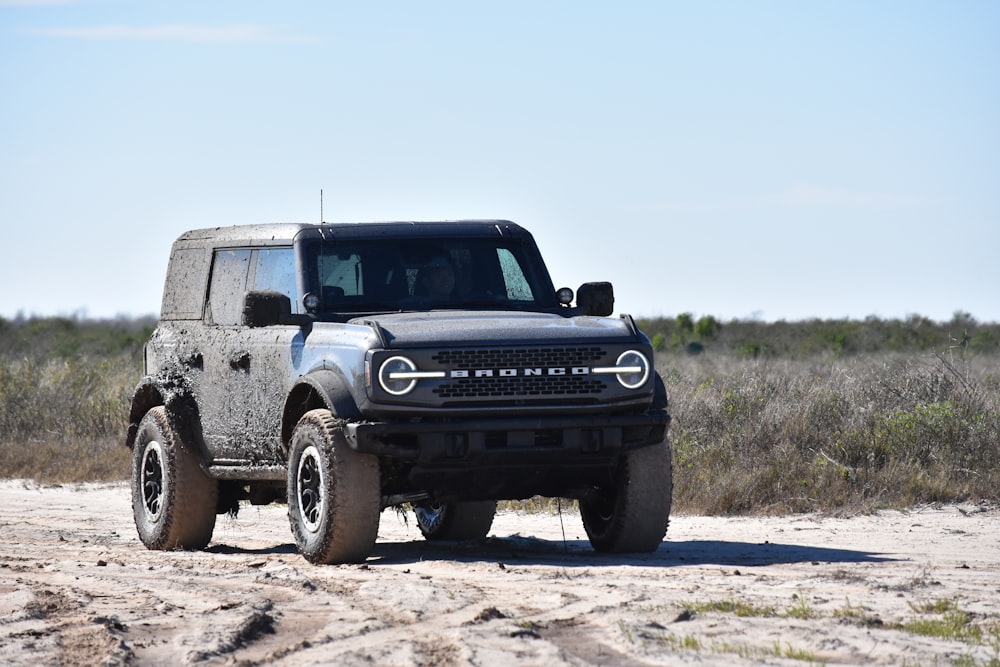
column 347, row 368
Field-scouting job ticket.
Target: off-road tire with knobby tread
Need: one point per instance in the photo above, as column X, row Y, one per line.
column 334, row 498
column 173, row 501
column 633, row 515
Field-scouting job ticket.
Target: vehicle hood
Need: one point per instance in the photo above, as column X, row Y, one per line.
column 495, row 328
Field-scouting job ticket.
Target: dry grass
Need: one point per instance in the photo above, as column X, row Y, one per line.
column 65, row 385
column 860, row 432
column 826, row 431
column 65, row 420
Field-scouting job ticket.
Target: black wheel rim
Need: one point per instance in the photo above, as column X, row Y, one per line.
column 151, row 480
column 599, row 512
column 429, row 515
column 309, row 481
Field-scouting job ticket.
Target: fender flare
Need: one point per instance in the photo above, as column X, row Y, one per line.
column 320, row 389
column 147, row 395
column 182, row 410
column 660, row 399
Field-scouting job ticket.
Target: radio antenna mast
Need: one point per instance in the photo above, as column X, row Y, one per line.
column 321, row 221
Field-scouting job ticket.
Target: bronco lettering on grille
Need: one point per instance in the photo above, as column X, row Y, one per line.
column 517, row 372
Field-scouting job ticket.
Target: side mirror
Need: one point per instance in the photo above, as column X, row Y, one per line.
column 265, row 308
column 596, row 299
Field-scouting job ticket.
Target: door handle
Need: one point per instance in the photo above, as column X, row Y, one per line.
column 194, row 360
column 240, row 360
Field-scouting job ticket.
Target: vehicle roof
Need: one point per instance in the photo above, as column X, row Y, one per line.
column 270, row 234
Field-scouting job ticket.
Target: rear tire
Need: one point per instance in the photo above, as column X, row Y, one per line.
column 633, row 515
column 470, row 520
column 334, row 497
column 173, row 501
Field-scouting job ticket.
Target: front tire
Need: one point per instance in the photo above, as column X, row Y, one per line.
column 334, row 497
column 173, row 501
column 470, row 520
column 632, row 516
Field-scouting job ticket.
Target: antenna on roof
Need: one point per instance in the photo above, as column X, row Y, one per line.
column 321, row 221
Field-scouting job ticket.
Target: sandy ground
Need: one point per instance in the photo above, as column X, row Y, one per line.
column 77, row 587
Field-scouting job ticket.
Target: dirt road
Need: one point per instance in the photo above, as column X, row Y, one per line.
column 914, row 588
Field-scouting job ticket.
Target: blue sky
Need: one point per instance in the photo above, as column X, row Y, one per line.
column 773, row 160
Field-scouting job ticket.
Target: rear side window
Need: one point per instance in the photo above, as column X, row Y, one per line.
column 230, row 269
column 184, row 288
column 275, row 271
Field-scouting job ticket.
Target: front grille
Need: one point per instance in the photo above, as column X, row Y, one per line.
column 520, row 386
column 523, row 357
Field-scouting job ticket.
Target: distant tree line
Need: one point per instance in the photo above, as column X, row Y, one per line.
column 74, row 338
column 807, row 338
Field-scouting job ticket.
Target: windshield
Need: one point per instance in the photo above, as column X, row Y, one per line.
column 407, row 274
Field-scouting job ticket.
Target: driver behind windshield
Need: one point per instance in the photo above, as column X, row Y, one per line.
column 436, row 279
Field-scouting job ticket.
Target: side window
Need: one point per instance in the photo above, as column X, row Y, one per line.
column 517, row 285
column 276, row 271
column 344, row 272
column 184, row 288
column 229, row 280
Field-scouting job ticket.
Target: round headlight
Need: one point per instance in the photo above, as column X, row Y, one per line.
column 396, row 375
column 564, row 295
column 632, row 369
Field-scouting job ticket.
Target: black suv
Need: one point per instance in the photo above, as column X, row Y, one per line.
column 347, row 368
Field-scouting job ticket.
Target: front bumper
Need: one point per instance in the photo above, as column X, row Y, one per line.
column 511, row 457
column 426, row 441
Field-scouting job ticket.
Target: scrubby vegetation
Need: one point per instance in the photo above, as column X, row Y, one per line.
column 833, row 415
column 866, row 431
column 64, row 390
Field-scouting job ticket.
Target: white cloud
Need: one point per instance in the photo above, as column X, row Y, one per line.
column 181, row 32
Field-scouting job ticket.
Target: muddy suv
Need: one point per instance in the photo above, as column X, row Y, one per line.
column 347, row 368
